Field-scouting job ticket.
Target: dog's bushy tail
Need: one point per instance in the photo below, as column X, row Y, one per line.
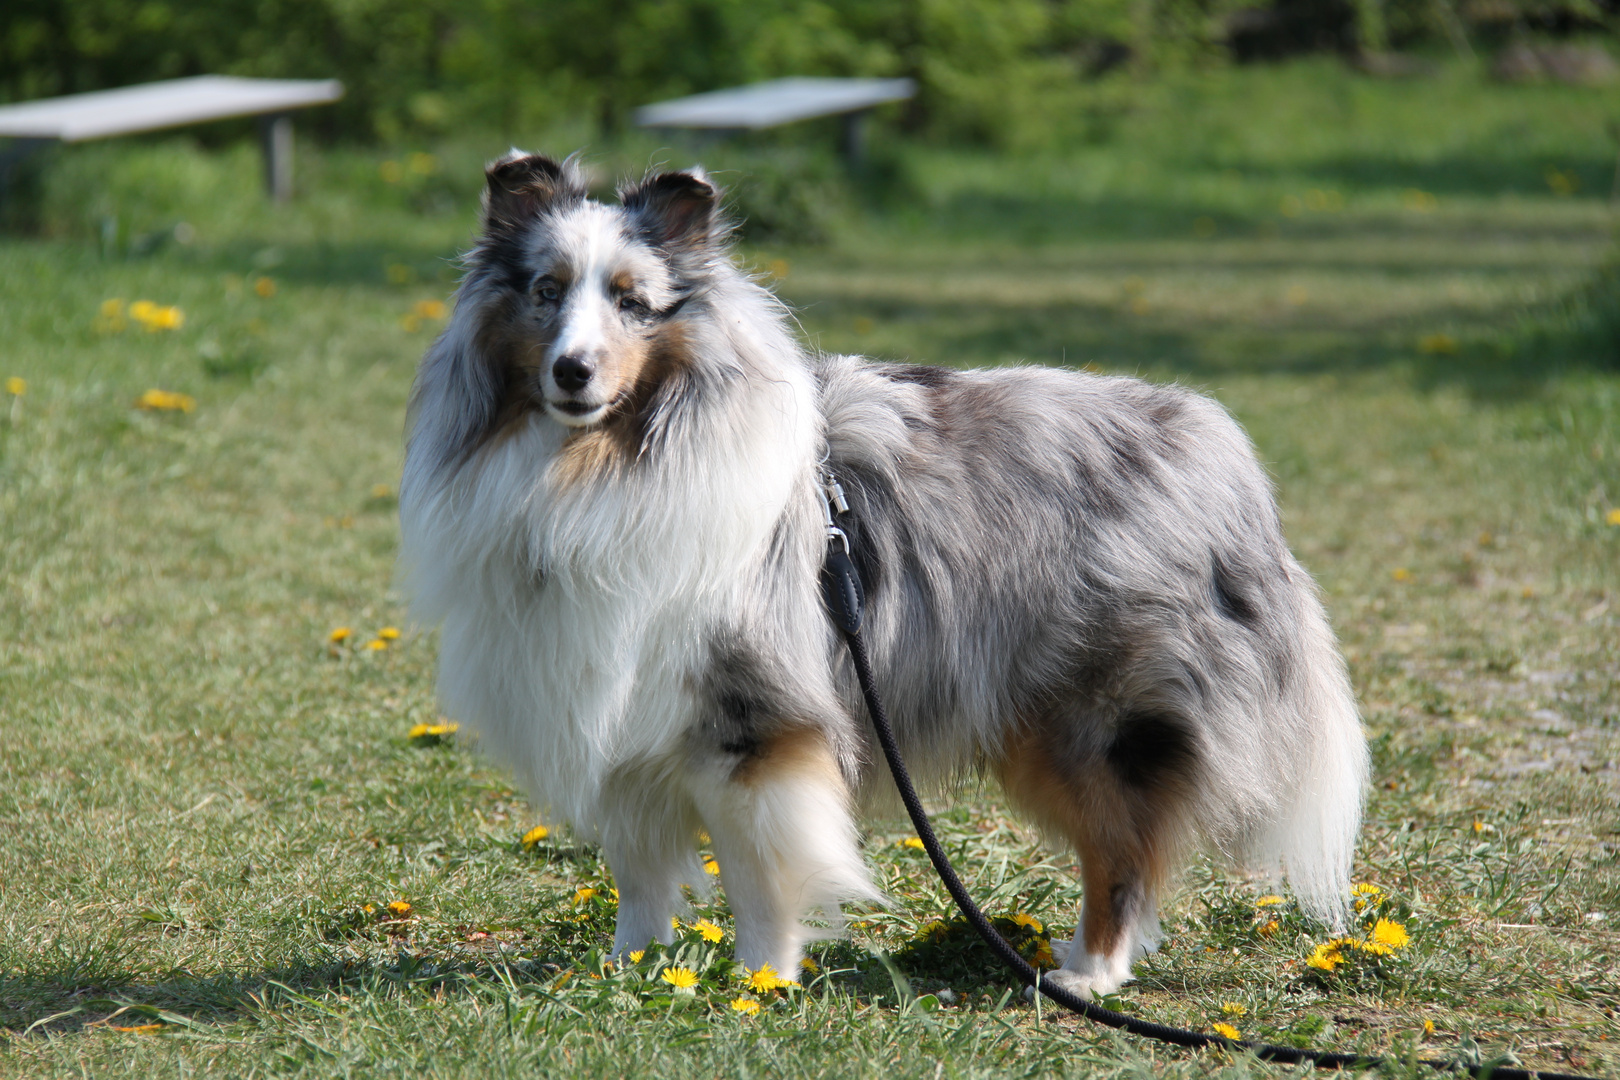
column 1312, row 840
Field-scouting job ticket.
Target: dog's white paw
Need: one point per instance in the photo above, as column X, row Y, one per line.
column 1060, row 950
column 1085, row 986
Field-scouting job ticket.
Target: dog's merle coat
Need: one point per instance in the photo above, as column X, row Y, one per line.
column 1077, row 584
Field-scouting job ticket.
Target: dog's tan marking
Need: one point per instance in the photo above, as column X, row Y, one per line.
column 616, row 442
column 1125, row 839
column 800, row 752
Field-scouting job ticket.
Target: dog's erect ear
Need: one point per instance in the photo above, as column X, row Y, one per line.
column 521, row 185
column 676, row 209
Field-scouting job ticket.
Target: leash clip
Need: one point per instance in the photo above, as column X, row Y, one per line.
column 833, row 502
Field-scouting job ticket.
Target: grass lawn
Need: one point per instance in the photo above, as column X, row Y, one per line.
column 211, row 806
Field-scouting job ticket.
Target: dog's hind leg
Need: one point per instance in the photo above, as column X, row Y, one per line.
column 785, row 842
column 1123, row 808
column 649, row 836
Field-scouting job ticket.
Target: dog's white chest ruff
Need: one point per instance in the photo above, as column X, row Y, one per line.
column 576, row 616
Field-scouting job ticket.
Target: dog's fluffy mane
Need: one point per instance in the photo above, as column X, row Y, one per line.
column 1078, row 584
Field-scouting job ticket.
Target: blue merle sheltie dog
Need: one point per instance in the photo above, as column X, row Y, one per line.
column 1077, row 586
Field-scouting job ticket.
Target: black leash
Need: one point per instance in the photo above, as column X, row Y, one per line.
column 841, row 586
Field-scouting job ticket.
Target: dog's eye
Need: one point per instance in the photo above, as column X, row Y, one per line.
column 547, row 290
column 631, row 306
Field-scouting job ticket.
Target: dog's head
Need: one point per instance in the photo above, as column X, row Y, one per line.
column 581, row 301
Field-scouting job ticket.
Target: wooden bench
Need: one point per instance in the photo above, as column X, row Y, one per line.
column 173, row 103
column 781, row 101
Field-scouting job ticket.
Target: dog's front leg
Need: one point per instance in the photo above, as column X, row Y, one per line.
column 785, row 842
column 650, row 840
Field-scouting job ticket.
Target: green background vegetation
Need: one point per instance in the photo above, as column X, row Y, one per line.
column 1403, row 289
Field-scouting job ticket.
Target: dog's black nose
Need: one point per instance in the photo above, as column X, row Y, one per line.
column 571, row 373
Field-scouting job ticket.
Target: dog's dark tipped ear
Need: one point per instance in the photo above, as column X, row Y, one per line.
column 520, row 185
column 676, row 209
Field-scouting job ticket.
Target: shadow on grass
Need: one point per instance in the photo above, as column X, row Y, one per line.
column 1035, row 220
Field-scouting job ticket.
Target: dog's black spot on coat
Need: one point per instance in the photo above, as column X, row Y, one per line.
column 1152, row 749
column 747, row 705
column 1232, row 597
column 922, row 375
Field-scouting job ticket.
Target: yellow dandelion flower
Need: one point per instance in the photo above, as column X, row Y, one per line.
column 1043, row 955
column 339, row 635
column 368, row 909
column 711, row 868
column 1613, row 518
column 1389, row 933
column 1227, row 1030
column 810, row 965
column 636, row 955
column 674, row 923
column 165, row 401
column 419, row 730
column 444, row 727
column 535, row 835
column 265, row 287
column 1428, row 1027
column 381, row 491
column 680, row 978
column 703, row 837
column 1270, row 927
column 17, row 387
column 400, row 908
column 389, row 633
column 428, row 309
column 1269, row 901
column 1325, row 956
column 583, row 894
column 746, row 1006
column 1402, row 574
column 765, row 979
column 377, row 645
column 1365, row 888
column 912, row 842
column 1233, row 1008
column 1028, row 921
column 1373, row 948
column 1481, row 827
column 711, row 933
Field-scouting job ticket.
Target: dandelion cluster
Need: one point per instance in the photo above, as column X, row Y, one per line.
column 1383, row 937
column 384, row 637
column 422, row 311
column 433, row 732
column 113, row 316
column 165, row 401
column 766, row 979
column 1226, row 1030
column 680, row 978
